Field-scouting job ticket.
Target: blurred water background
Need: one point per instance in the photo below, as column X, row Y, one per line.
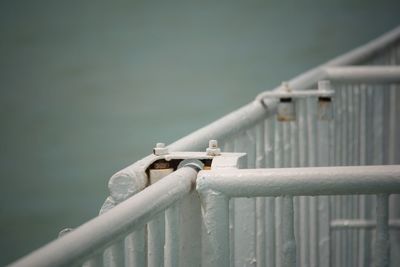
column 88, row 87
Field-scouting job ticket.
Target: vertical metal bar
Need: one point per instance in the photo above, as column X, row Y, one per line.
column 343, row 199
column 216, row 221
column 392, row 159
column 269, row 133
column 270, row 239
column 190, row 230
column 289, row 243
column 294, row 142
column 232, row 232
column 287, row 148
column 363, row 161
column 345, row 126
column 331, row 199
column 333, row 233
column 352, row 139
column 338, row 161
column 324, row 145
column 155, row 241
column 278, row 201
column 311, row 118
column 382, row 245
column 245, row 208
column 378, row 135
column 370, row 158
column 172, row 245
column 303, row 201
column 260, row 201
column 135, row 248
column 378, row 126
column 356, row 162
column 392, row 125
column 230, row 147
column 350, row 161
column 260, row 235
column 270, row 201
column 260, row 146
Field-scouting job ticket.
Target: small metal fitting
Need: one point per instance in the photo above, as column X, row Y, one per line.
column 213, row 149
column 193, row 163
column 286, row 108
column 160, row 149
column 325, row 106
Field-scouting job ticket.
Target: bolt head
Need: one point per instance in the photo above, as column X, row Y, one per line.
column 160, row 149
column 213, row 149
column 160, row 145
column 213, row 144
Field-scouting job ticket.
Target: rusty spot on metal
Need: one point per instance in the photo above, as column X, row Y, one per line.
column 284, row 118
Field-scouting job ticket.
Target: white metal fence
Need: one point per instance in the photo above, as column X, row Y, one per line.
column 313, row 217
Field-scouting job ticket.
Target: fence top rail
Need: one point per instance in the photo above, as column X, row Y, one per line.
column 366, row 74
column 301, row 181
column 353, row 57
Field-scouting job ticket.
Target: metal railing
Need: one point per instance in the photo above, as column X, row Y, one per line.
column 218, row 187
column 351, row 121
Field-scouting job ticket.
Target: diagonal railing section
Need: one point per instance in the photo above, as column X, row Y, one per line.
column 90, row 240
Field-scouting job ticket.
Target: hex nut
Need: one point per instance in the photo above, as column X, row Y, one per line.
column 160, row 149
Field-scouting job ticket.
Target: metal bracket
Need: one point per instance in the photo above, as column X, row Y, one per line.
column 286, row 110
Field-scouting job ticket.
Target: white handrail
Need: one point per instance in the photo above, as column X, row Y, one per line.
column 95, row 235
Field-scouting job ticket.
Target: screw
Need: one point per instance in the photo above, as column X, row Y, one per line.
column 213, row 149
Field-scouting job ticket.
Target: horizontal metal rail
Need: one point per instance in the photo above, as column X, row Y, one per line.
column 311, row 181
column 308, row 79
column 217, row 187
column 365, row 74
column 97, row 234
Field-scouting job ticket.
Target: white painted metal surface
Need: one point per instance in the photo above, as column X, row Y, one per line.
column 300, row 211
column 216, row 187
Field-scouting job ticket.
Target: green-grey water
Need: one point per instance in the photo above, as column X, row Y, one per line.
column 88, row 87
